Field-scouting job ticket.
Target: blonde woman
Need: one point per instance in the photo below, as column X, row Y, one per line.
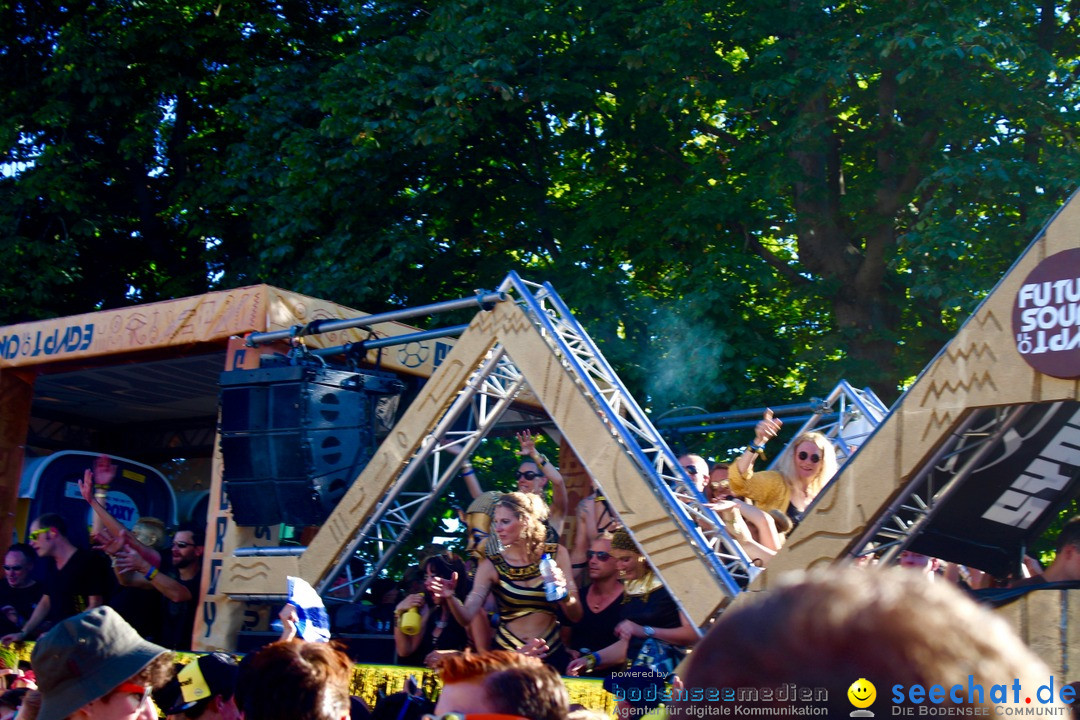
column 527, row 620
column 802, row 470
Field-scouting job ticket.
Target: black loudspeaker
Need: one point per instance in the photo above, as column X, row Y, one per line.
column 294, row 438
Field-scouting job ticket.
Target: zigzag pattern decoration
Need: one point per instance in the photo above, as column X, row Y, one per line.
column 975, row 382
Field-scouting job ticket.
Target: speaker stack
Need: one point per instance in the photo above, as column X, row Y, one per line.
column 294, row 438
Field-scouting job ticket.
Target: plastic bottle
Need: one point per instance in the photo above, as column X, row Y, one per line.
column 552, row 590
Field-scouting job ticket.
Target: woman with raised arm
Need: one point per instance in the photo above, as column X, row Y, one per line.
column 527, row 619
column 533, row 475
column 802, row 470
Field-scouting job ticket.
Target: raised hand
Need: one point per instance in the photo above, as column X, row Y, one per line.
column 442, row 588
column 289, row 619
column 86, row 486
column 528, row 443
column 536, row 647
column 628, row 629
column 411, row 601
column 577, row 665
column 767, row 428
column 129, row 560
column 103, row 540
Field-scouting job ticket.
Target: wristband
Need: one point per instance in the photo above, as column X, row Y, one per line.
column 468, row 471
column 759, row 449
column 590, row 661
column 151, row 574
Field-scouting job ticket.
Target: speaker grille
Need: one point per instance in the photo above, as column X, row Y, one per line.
column 295, row 438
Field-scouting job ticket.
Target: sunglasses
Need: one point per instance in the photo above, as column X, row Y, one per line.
column 599, row 555
column 813, row 458
column 528, row 475
column 35, row 534
column 143, row 691
column 180, row 544
column 690, row 469
column 13, row 568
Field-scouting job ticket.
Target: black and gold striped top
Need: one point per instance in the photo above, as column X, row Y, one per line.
column 513, row 597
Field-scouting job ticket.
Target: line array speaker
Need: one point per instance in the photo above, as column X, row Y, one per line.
column 294, row 438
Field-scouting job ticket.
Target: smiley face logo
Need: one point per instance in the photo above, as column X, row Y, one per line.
column 862, row 693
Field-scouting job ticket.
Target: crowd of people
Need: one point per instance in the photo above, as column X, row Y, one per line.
column 150, row 580
column 527, row 604
column 805, row 640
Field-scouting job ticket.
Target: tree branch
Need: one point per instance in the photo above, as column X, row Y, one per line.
column 789, row 273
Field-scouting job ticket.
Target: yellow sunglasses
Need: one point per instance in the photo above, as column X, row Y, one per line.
column 35, row 534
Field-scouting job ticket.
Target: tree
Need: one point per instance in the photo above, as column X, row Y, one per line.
column 742, row 205
column 761, row 200
column 914, row 146
column 114, row 129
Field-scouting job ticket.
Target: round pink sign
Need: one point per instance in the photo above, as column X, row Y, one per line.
column 1046, row 316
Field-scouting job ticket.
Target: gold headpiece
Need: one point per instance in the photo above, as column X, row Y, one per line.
column 485, row 503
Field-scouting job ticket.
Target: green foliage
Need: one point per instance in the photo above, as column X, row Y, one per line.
column 741, row 204
column 1044, row 549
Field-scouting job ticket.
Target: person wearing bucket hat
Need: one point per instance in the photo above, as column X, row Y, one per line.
column 94, row 666
column 205, row 689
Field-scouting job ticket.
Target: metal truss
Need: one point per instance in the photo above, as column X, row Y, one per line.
column 847, row 425
column 487, row 395
column 632, row 428
column 847, row 416
column 59, row 434
column 908, row 514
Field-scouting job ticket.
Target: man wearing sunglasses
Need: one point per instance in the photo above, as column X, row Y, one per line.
column 179, row 587
column 600, row 603
column 21, row 594
column 698, row 470
column 79, row 582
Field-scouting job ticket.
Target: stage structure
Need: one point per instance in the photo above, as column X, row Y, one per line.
column 528, row 341
column 142, row 383
column 981, row 453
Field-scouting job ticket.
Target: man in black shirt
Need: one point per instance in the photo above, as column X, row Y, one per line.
column 79, row 583
column 20, row 594
column 180, row 589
